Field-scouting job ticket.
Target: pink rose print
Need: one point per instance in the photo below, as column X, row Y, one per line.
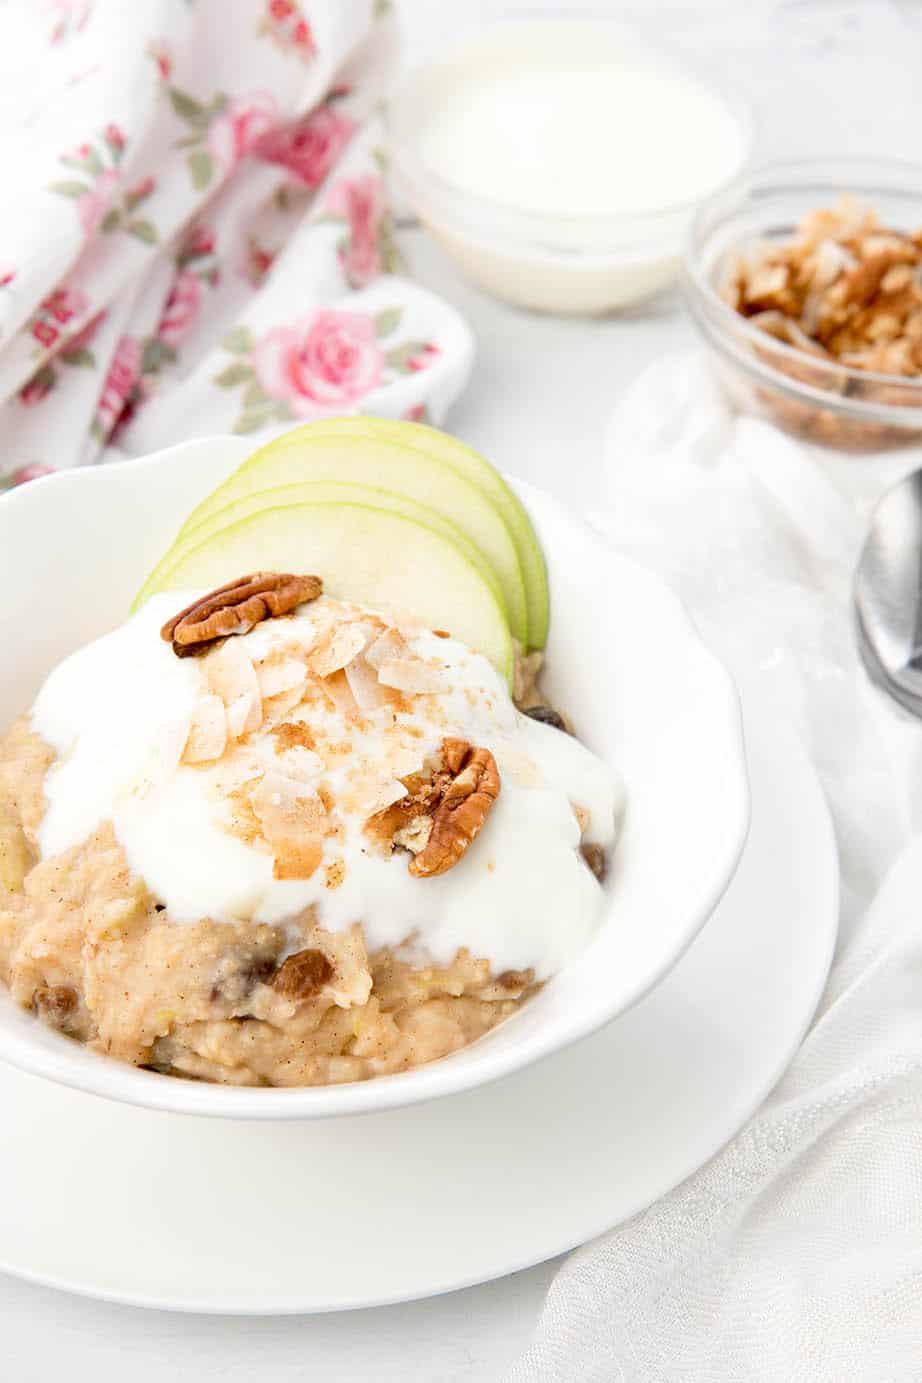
column 38, row 387
column 361, row 203
column 240, row 126
column 199, row 241
column 161, row 51
column 257, row 262
column 327, row 361
column 96, row 190
column 424, row 357
column 310, row 148
column 64, row 304
column 286, row 26
column 416, row 413
column 96, row 201
column 321, row 365
column 140, row 192
column 182, row 308
column 124, row 369
column 54, row 312
column 6, row 277
column 70, row 18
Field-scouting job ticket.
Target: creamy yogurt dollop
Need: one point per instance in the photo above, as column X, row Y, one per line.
column 120, row 713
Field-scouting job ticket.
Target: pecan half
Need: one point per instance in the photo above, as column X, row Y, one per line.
column 471, row 790
column 302, row 974
column 236, row 607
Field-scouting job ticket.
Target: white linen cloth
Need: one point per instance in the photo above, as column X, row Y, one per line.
column 796, row 1253
column 195, row 235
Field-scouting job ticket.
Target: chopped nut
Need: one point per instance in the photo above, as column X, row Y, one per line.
column 441, row 811
column 465, row 803
column 852, row 297
column 236, row 608
column 302, row 975
column 860, row 285
column 414, row 836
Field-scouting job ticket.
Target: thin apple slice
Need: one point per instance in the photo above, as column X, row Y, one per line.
column 316, row 492
column 305, row 455
column 372, row 556
column 475, row 468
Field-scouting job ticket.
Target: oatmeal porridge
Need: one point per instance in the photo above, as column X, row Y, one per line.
column 279, row 838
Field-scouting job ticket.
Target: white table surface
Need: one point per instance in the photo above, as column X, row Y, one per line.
column 822, row 75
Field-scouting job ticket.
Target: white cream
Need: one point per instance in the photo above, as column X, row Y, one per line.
column 604, row 134
column 559, row 160
column 118, row 713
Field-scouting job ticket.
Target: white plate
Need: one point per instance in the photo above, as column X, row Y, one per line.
column 198, row 1214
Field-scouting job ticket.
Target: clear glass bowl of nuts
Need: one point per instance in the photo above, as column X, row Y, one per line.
column 805, row 279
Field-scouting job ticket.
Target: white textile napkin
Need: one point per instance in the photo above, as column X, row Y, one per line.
column 796, row 1253
column 195, row 235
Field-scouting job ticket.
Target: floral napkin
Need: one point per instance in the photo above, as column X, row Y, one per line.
column 199, row 240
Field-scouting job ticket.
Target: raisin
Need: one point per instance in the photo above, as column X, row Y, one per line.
column 302, row 974
column 515, row 979
column 594, row 856
column 56, row 1003
column 547, row 716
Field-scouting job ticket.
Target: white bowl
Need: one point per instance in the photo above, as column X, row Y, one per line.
column 623, row 660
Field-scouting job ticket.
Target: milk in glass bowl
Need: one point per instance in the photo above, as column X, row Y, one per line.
column 559, row 159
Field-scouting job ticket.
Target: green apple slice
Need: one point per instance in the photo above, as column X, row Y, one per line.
column 475, row 468
column 315, row 492
column 372, row 556
column 303, row 456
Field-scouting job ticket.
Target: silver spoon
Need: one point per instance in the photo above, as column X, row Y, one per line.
column 888, row 593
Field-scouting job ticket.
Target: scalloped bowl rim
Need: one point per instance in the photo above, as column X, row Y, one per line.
column 71, row 503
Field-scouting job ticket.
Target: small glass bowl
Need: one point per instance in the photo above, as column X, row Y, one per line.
column 561, row 263
column 820, row 400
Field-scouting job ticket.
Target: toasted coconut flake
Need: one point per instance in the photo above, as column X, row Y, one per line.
column 340, row 693
column 337, row 649
column 369, row 694
column 278, row 707
column 240, row 716
column 230, row 674
column 387, row 647
column 275, row 677
column 300, row 763
column 413, row 675
column 294, row 823
column 207, row 738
